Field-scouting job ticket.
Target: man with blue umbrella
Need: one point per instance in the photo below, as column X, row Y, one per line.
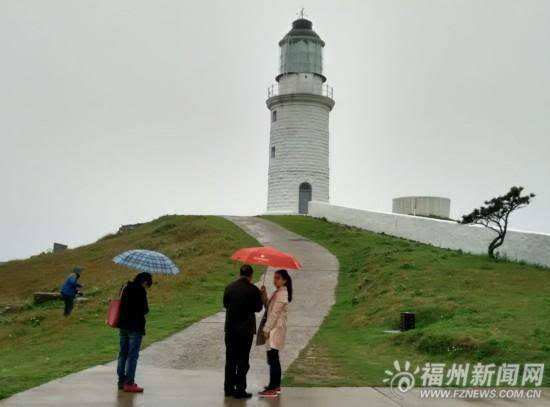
column 133, row 308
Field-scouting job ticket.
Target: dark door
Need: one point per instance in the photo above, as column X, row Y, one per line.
column 304, row 197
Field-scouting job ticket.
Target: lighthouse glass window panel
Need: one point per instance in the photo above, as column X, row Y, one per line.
column 272, row 152
column 301, row 56
column 274, row 116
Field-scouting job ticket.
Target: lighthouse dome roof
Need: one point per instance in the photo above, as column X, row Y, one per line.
column 302, row 28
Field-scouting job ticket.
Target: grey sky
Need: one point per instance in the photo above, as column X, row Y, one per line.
column 117, row 112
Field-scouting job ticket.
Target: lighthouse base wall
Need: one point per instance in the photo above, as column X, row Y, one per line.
column 284, row 189
column 299, row 150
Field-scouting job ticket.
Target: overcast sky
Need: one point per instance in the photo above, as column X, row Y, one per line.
column 117, row 112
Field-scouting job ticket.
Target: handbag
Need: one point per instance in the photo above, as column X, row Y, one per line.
column 113, row 312
column 260, row 336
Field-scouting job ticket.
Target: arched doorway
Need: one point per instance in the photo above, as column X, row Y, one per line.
column 304, row 197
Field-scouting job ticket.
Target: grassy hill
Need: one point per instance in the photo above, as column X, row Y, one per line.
column 469, row 308
column 38, row 344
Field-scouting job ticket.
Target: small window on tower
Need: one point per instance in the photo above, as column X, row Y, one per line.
column 272, row 152
column 274, row 116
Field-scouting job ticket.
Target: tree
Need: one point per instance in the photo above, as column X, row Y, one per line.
column 496, row 213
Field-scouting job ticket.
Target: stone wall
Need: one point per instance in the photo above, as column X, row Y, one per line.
column 300, row 136
column 530, row 247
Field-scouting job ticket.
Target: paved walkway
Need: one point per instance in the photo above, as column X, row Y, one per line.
column 193, row 359
column 201, row 346
column 186, row 369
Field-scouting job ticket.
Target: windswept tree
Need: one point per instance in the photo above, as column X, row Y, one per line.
column 494, row 215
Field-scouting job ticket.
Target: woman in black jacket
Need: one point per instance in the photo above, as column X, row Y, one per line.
column 133, row 308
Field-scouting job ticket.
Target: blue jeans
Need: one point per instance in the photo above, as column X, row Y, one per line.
column 130, row 342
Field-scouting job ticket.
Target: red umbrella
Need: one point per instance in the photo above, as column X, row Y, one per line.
column 266, row 256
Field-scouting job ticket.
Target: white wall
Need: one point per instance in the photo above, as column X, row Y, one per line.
column 300, row 83
column 300, row 136
column 528, row 246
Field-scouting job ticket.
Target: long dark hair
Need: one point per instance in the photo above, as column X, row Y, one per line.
column 288, row 282
column 144, row 278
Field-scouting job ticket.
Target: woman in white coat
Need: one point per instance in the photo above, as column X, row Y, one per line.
column 274, row 329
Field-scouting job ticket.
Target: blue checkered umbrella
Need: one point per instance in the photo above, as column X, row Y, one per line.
column 147, row 260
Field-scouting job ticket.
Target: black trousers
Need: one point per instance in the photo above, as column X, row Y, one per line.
column 69, row 303
column 274, row 369
column 237, row 354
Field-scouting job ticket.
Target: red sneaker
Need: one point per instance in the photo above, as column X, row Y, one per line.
column 132, row 388
column 269, row 393
column 278, row 389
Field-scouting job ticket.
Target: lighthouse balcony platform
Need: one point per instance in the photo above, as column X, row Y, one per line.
column 278, row 89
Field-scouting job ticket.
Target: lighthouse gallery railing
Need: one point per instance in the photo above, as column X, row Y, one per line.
column 324, row 90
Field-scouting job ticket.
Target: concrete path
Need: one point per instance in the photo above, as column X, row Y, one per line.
column 186, row 369
column 197, row 354
column 201, row 346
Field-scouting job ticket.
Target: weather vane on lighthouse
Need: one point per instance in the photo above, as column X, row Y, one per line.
column 301, row 14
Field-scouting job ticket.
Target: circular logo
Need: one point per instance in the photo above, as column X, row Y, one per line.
column 401, row 383
column 402, row 380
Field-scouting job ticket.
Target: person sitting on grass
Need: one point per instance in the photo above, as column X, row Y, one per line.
column 133, row 308
column 70, row 290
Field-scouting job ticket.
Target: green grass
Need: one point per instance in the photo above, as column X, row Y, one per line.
column 469, row 308
column 38, row 344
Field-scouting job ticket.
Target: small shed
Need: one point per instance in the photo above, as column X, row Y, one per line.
column 430, row 206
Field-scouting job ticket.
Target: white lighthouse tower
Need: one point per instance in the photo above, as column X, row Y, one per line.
column 300, row 103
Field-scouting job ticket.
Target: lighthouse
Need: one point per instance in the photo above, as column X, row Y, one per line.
column 299, row 103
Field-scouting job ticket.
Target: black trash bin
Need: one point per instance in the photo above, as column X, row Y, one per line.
column 407, row 321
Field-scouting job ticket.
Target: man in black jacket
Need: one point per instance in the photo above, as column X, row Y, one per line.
column 242, row 300
column 133, row 308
